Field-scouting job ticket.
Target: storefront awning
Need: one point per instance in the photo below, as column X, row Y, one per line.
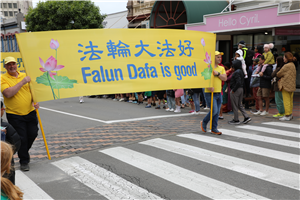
column 169, row 14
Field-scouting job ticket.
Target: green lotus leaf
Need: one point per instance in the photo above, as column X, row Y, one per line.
column 207, row 73
column 58, row 83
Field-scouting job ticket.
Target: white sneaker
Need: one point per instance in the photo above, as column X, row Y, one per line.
column 122, row 99
column 168, row 109
column 193, row 113
column 171, row 110
column 206, row 108
column 264, row 113
column 284, row 118
column 257, row 113
column 81, row 101
column 177, row 111
column 197, row 113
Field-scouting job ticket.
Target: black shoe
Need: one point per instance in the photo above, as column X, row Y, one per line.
column 158, row 107
column 234, row 122
column 246, row 120
column 164, row 107
column 154, row 104
column 24, row 167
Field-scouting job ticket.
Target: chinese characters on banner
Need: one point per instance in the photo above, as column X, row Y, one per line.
column 73, row 63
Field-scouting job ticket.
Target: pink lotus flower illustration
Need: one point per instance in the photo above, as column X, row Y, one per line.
column 50, row 65
column 203, row 42
column 207, row 72
column 50, row 76
column 208, row 59
column 54, row 44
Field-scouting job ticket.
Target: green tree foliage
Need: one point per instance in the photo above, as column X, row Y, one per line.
column 64, row 15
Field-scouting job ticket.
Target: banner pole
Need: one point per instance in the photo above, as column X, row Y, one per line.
column 211, row 109
column 43, row 133
column 211, row 102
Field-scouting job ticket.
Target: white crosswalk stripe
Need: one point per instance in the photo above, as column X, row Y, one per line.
column 244, row 147
column 261, row 138
column 282, row 124
column 29, row 188
column 264, row 172
column 101, row 180
column 157, row 159
column 270, row 130
column 180, row 176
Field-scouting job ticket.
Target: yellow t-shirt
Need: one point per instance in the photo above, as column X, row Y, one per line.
column 217, row 81
column 20, row 103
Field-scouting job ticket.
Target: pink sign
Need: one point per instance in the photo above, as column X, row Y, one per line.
column 237, row 21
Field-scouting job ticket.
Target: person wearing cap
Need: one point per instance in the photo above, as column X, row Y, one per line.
column 20, row 109
column 220, row 75
column 242, row 46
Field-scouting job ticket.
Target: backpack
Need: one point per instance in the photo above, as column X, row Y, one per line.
column 249, row 57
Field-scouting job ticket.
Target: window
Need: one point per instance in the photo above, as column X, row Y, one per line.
column 4, row 5
column 9, row 5
column 5, row 13
column 1, row 5
column 15, row 5
column 11, row 14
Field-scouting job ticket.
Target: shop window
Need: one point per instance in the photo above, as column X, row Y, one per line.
column 4, row 5
column 5, row 13
column 11, row 14
column 9, row 5
column 15, row 5
column 263, row 38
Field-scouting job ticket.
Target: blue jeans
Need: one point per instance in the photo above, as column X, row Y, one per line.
column 216, row 110
column 171, row 102
column 184, row 98
column 203, row 98
column 196, row 99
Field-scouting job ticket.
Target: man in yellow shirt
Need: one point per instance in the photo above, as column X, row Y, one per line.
column 20, row 110
column 220, row 75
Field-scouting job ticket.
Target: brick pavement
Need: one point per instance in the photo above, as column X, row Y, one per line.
column 79, row 141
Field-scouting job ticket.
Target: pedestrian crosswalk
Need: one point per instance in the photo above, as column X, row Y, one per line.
column 245, row 162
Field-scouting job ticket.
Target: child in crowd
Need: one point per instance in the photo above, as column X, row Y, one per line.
column 160, row 96
column 8, row 189
column 239, row 56
column 148, row 95
column 258, row 51
column 269, row 58
column 178, row 94
column 190, row 98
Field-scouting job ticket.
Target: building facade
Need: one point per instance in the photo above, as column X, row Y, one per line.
column 139, row 13
column 257, row 23
column 10, row 9
column 116, row 20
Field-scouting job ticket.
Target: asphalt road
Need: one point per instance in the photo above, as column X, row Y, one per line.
column 174, row 161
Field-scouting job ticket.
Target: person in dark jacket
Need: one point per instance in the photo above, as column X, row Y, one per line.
column 12, row 138
column 236, row 94
column 264, row 88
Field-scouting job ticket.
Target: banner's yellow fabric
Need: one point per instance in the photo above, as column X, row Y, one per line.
column 18, row 58
column 73, row 63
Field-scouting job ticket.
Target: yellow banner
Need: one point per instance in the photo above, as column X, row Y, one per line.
column 18, row 58
column 73, row 63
